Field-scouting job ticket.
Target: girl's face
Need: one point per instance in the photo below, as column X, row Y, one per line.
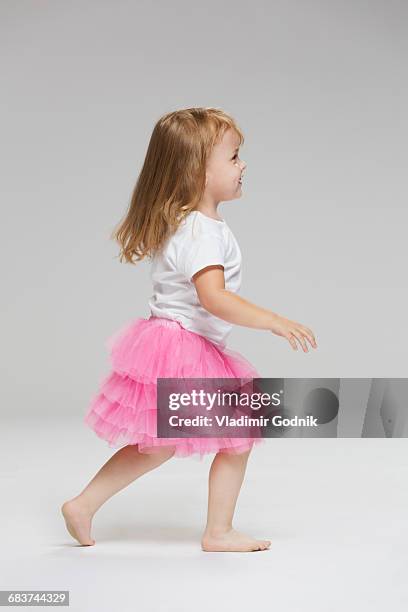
column 225, row 169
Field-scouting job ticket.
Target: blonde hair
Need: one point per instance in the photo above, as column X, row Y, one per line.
column 172, row 180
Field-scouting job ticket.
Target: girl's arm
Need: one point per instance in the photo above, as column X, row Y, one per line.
column 210, row 286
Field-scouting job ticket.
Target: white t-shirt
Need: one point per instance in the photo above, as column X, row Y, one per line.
column 198, row 242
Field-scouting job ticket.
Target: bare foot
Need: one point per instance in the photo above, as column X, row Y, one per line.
column 78, row 521
column 232, row 541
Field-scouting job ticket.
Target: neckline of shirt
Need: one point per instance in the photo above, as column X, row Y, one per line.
column 210, row 218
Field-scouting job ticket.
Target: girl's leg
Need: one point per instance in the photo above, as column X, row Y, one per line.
column 120, row 470
column 225, row 480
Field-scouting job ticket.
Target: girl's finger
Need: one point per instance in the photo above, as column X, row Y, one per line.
column 309, row 335
column 312, row 336
column 292, row 342
column 295, row 338
column 299, row 336
column 312, row 342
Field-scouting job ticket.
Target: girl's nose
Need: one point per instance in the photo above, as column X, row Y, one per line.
column 243, row 165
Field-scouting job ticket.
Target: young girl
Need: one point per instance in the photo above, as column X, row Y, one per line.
column 192, row 164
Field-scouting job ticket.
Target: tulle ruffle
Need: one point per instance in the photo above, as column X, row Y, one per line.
column 123, row 411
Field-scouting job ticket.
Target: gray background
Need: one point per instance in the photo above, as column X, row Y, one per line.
column 319, row 89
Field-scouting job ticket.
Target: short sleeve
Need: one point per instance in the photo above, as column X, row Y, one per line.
column 207, row 250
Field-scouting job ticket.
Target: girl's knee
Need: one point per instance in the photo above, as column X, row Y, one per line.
column 159, row 453
column 246, row 454
column 236, row 456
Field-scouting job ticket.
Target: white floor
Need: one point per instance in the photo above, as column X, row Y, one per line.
column 335, row 510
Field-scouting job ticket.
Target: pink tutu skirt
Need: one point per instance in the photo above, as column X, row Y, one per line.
column 124, row 410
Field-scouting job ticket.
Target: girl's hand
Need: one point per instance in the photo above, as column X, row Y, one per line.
column 292, row 331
